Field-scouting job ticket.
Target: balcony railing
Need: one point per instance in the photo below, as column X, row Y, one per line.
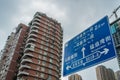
column 36, row 23
column 32, row 35
column 24, row 66
column 38, row 16
column 29, row 49
column 26, row 60
column 30, row 39
column 29, row 44
column 33, row 30
column 36, row 19
column 26, row 55
column 35, row 27
column 22, row 73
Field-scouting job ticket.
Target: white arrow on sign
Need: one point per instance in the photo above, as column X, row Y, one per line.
column 68, row 67
column 83, row 51
column 105, row 51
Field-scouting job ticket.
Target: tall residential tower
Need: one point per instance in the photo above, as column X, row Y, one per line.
column 115, row 29
column 41, row 58
column 41, row 51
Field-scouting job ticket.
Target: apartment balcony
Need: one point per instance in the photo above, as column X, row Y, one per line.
column 26, row 60
column 29, row 49
column 33, row 30
column 22, row 73
column 36, row 19
column 26, row 55
column 32, row 35
column 38, row 16
column 36, row 23
column 35, row 27
column 29, row 44
column 57, row 76
column 24, row 66
column 30, row 39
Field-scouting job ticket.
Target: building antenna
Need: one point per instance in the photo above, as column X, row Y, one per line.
column 115, row 12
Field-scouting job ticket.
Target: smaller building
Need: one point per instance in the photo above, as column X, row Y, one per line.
column 117, row 75
column 75, row 77
column 104, row 73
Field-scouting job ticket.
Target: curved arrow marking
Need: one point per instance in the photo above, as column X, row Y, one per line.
column 105, row 51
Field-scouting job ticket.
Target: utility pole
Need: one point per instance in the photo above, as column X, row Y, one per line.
column 115, row 12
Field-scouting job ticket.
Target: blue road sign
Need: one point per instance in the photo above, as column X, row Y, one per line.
column 91, row 47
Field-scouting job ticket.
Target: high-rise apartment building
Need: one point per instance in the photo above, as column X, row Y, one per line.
column 75, row 77
column 11, row 54
column 104, row 73
column 115, row 29
column 5, row 57
column 43, row 50
column 40, row 50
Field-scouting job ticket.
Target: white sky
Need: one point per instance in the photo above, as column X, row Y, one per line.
column 74, row 15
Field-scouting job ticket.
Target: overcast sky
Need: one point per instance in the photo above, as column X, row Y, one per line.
column 74, row 15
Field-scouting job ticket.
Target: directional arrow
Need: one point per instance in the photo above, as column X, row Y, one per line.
column 83, row 51
column 105, row 51
column 68, row 67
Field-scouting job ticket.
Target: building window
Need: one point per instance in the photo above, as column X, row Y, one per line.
column 44, row 34
column 37, row 73
column 32, row 46
column 51, row 55
column 43, row 38
column 41, row 47
column 46, row 48
column 45, row 30
column 47, row 44
column 42, row 69
column 49, row 78
column 35, row 79
column 42, row 42
column 43, row 63
column 51, row 46
column 38, row 68
column 45, row 53
column 44, row 58
column 52, row 51
column 50, row 71
column 50, row 65
column 42, row 75
column 39, row 61
column 39, row 56
column 51, row 60
column 40, row 51
column 29, row 46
